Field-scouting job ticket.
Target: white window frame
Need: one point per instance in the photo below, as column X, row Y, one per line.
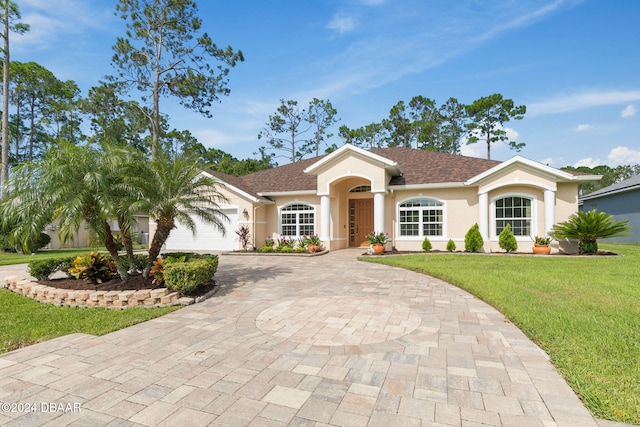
column 283, row 209
column 421, row 235
column 534, row 215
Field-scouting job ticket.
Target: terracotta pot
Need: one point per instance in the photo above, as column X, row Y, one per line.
column 313, row 247
column 378, row 248
column 542, row 249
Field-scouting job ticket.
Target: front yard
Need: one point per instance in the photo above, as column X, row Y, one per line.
column 583, row 311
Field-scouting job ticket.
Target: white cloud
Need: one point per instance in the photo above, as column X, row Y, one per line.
column 549, row 161
column 623, row 156
column 566, row 103
column 342, row 24
column 617, row 156
column 474, row 150
column 629, row 111
column 582, row 128
column 588, row 162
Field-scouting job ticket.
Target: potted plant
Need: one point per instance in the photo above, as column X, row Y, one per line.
column 312, row 243
column 377, row 241
column 541, row 245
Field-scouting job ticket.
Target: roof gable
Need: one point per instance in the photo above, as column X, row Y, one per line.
column 349, row 150
column 522, row 162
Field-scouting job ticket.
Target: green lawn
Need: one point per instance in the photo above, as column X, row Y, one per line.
column 583, row 311
column 24, row 321
column 9, row 258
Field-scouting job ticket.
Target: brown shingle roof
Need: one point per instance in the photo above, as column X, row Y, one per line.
column 418, row 167
column 431, row 167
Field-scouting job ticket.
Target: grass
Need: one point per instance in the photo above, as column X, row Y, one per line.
column 583, row 311
column 9, row 258
column 24, row 321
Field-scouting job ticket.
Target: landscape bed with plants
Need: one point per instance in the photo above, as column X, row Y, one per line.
column 583, row 311
column 187, row 273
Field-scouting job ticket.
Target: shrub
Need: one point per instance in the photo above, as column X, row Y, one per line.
column 94, row 267
column 159, row 267
column 188, row 256
column 12, row 244
column 5, row 244
column 588, row 227
column 188, row 276
column 473, row 239
column 451, row 245
column 426, row 245
column 284, row 244
column 507, row 240
column 40, row 242
column 266, row 249
column 42, row 269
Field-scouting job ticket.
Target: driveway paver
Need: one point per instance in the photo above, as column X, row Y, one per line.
column 321, row 341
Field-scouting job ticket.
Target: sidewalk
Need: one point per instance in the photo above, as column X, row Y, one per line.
column 295, row 341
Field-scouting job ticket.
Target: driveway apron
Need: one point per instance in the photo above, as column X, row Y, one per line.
column 323, row 340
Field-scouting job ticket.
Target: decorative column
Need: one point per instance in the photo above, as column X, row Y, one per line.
column 483, row 215
column 378, row 212
column 549, row 210
column 325, row 218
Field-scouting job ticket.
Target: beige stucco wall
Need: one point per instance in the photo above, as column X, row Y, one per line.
column 460, row 213
column 350, row 167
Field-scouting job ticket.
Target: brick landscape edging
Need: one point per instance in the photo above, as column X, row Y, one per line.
column 146, row 298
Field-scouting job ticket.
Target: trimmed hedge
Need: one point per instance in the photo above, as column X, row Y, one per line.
column 41, row 269
column 185, row 277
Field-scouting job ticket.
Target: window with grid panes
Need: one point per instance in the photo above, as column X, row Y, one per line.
column 297, row 220
column 421, row 218
column 515, row 211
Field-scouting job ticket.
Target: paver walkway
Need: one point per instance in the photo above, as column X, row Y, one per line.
column 317, row 341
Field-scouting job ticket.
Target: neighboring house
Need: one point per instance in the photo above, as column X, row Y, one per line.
column 622, row 200
column 82, row 238
column 410, row 194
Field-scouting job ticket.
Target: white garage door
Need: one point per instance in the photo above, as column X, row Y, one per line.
column 207, row 237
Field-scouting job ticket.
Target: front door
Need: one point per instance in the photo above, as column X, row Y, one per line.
column 360, row 221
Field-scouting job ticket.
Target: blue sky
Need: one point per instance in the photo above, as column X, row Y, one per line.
column 573, row 63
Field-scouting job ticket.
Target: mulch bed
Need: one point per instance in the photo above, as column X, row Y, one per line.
column 133, row 283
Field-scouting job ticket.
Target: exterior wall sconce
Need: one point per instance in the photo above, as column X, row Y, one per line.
column 245, row 214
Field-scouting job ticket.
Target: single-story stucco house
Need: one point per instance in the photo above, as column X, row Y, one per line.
column 622, row 200
column 409, row 194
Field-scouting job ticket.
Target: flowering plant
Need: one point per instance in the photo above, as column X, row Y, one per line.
column 379, row 238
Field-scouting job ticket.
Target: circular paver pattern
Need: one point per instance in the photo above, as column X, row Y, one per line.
column 338, row 321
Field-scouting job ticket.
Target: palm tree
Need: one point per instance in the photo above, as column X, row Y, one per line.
column 174, row 191
column 71, row 184
column 589, row 226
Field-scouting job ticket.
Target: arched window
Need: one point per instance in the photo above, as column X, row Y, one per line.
column 515, row 211
column 297, row 220
column 421, row 218
column 361, row 189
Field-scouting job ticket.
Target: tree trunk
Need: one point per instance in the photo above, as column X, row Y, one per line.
column 5, row 101
column 112, row 247
column 159, row 238
column 128, row 244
